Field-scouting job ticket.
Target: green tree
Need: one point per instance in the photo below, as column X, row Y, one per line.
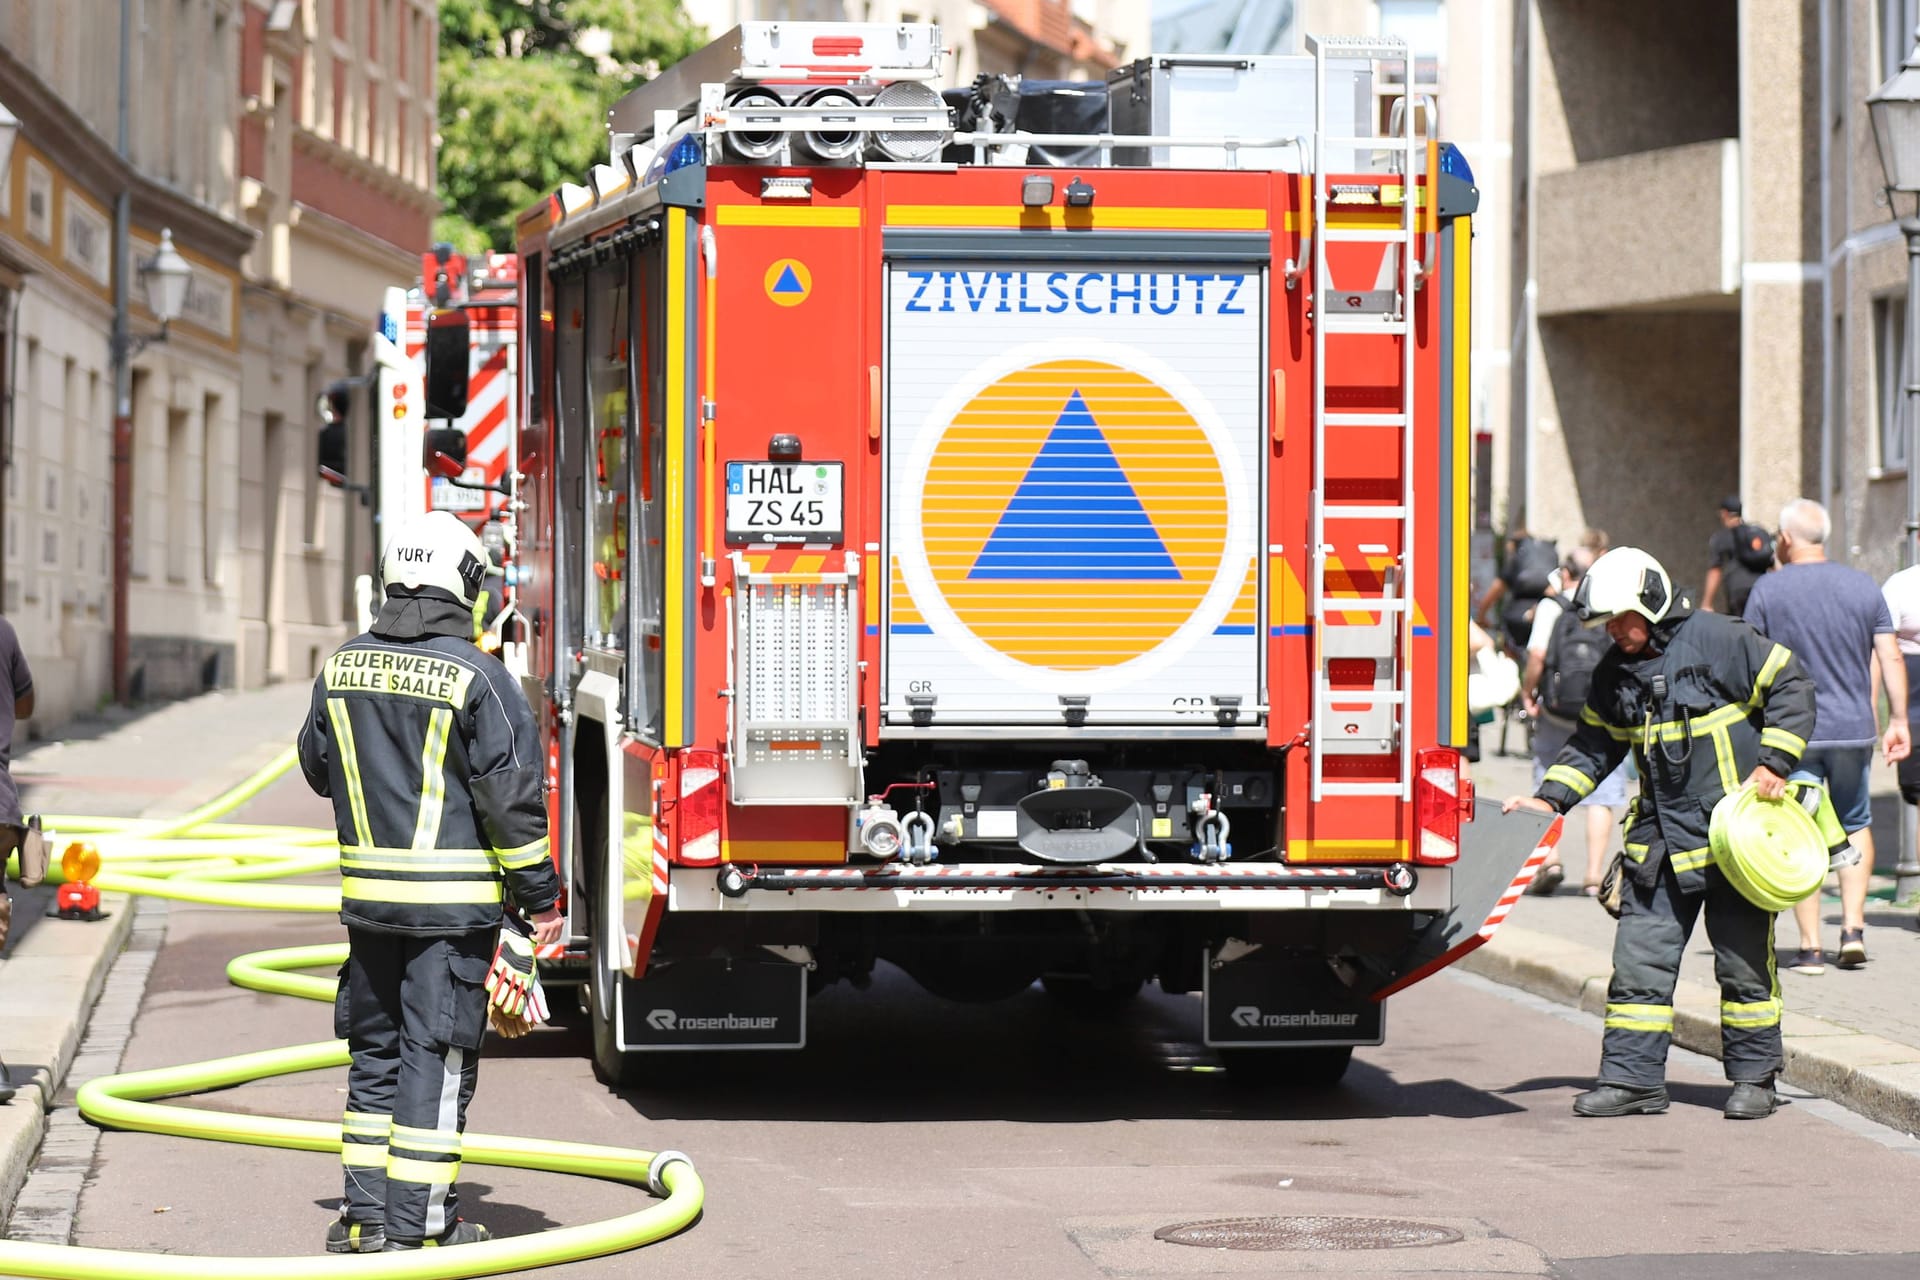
column 524, row 90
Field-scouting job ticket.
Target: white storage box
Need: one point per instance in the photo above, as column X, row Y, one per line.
column 1217, row 95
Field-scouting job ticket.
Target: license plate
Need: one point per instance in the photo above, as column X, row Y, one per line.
column 784, row 502
column 446, row 497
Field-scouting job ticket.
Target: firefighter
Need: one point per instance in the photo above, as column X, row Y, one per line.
column 427, row 748
column 1704, row 702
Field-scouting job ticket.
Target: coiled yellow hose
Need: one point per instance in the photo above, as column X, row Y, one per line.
column 191, row 859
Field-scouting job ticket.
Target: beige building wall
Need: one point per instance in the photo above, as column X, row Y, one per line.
column 337, row 180
column 1670, row 307
column 1865, row 261
column 59, row 75
column 289, row 147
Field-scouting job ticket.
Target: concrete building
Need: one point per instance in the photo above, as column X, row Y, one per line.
column 1713, row 287
column 58, row 75
column 287, row 144
column 336, row 162
column 1044, row 39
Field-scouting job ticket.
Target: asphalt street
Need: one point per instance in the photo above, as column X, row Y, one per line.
column 918, row 1137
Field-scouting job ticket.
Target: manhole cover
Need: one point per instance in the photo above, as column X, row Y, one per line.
column 1308, row 1233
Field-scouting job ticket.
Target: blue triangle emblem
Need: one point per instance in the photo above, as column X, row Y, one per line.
column 1075, row 517
column 788, row 281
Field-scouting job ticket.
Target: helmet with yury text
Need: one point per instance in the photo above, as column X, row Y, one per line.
column 435, row 550
column 1624, row 580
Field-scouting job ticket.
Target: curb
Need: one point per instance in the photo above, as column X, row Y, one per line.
column 1877, row 1077
column 48, row 1041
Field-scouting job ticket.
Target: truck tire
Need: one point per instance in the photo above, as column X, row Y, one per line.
column 611, row 1066
column 1077, row 994
column 1314, row 1067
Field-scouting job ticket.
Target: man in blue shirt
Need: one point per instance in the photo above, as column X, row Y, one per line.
column 1835, row 621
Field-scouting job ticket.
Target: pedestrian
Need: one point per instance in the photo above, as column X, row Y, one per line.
column 1836, row 621
column 1737, row 553
column 1562, row 655
column 1525, row 579
column 426, row 746
column 13, row 827
column 1902, row 594
column 1702, row 701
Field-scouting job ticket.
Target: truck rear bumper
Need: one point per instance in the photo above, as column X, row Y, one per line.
column 1101, row 887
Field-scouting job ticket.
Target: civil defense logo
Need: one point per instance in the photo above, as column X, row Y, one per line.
column 1077, row 515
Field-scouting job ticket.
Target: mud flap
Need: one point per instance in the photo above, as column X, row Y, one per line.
column 1257, row 1002
column 1496, row 864
column 716, row 1003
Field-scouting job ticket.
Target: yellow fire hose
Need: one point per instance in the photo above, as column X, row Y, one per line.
column 190, row 860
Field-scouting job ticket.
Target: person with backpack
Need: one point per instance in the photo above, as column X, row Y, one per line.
column 1561, row 657
column 1526, row 578
column 1739, row 552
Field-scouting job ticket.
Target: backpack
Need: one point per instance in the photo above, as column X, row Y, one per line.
column 1572, row 654
column 1753, row 547
column 1531, row 565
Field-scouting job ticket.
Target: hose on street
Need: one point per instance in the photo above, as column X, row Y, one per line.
column 197, row 859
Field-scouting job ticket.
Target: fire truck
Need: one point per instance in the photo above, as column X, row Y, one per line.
column 1013, row 557
column 469, row 311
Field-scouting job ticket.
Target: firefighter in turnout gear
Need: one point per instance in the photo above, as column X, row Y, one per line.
column 427, row 748
column 1705, row 703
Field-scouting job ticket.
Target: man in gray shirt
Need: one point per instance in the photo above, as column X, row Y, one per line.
column 13, row 828
column 1836, row 622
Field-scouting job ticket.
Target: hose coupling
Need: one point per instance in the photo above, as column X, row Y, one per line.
column 657, row 1168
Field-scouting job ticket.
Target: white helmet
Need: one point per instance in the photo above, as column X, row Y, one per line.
column 435, row 550
column 1624, row 580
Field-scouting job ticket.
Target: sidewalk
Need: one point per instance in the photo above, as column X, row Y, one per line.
column 1852, row 1035
column 163, row 763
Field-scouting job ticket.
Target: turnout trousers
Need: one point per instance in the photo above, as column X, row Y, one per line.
column 412, row 1011
column 1655, row 924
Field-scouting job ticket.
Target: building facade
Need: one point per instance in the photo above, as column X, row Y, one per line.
column 1713, row 285
column 336, row 161
column 287, row 145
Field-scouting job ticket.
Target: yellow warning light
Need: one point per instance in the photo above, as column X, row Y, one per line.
column 80, row 862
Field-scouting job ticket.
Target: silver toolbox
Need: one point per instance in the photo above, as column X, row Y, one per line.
column 1220, row 95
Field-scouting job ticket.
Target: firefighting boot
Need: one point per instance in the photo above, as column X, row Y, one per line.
column 1752, row 1101
column 462, row 1232
column 1621, row 1100
column 355, row 1237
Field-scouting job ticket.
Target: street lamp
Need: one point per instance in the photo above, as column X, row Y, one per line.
column 165, row 276
column 1894, row 110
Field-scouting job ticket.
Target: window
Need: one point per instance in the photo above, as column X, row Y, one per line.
column 177, row 500
column 1893, row 33
column 1889, row 381
column 213, row 512
column 609, row 315
column 647, row 547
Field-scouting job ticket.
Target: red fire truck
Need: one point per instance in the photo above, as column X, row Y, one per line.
column 446, row 443
column 1009, row 556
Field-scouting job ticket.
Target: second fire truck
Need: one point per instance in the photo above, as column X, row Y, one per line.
column 1013, row 558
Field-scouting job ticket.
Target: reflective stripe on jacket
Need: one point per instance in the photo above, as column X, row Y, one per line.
column 428, row 750
column 1716, row 701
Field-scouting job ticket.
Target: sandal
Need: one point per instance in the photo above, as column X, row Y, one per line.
column 1547, row 879
column 1590, row 888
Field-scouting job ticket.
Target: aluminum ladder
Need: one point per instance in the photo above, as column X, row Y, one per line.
column 1362, row 721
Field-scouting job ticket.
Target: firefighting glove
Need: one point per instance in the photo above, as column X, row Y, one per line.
column 513, row 986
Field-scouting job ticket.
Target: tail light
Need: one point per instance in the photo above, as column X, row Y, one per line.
column 1442, row 800
column 698, row 817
